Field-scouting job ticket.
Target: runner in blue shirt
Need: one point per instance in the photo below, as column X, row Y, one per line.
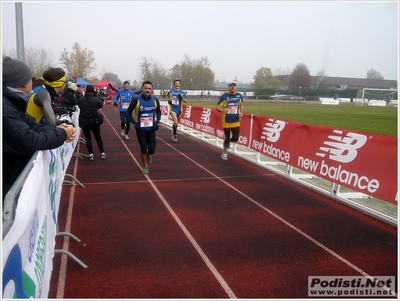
column 176, row 97
column 147, row 121
column 122, row 99
column 231, row 106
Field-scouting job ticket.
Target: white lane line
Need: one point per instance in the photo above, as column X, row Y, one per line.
column 197, row 247
column 174, row 180
column 214, row 271
column 333, row 253
column 63, row 265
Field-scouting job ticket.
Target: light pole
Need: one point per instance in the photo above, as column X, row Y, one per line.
column 300, row 91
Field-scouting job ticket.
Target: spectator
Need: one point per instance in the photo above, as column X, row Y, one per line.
column 69, row 98
column 88, row 105
column 55, row 81
column 22, row 136
column 122, row 99
column 39, row 104
column 147, row 121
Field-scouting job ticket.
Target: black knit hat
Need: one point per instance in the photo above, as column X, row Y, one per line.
column 89, row 88
column 15, row 73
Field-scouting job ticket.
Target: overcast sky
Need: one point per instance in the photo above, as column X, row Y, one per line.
column 343, row 39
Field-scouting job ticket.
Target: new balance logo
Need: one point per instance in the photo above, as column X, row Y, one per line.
column 205, row 115
column 188, row 112
column 342, row 149
column 272, row 130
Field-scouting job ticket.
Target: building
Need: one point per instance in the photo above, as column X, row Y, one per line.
column 341, row 83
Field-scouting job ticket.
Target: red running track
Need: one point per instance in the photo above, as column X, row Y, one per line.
column 201, row 227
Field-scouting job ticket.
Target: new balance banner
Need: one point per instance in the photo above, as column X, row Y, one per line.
column 363, row 162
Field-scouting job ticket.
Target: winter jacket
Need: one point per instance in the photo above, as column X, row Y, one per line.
column 22, row 137
column 87, row 104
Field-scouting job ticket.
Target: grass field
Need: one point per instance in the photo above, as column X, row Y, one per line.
column 369, row 119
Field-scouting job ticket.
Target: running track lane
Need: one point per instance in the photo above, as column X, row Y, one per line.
column 200, row 227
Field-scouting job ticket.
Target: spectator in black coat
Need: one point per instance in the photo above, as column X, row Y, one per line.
column 22, row 136
column 88, row 105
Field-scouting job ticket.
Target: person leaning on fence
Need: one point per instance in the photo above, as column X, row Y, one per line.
column 122, row 99
column 39, row 104
column 55, row 81
column 147, row 121
column 22, row 135
column 231, row 106
column 88, row 105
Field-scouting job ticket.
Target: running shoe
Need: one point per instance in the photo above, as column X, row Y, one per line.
column 145, row 170
column 224, row 156
column 149, row 159
column 103, row 156
column 174, row 138
column 123, row 132
column 91, row 157
column 126, row 137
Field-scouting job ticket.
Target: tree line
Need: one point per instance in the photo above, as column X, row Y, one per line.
column 195, row 74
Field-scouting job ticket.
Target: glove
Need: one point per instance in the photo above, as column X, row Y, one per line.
column 72, row 86
column 156, row 126
column 115, row 104
column 170, row 102
column 67, row 122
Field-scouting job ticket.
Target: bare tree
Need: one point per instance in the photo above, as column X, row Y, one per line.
column 281, row 71
column 300, row 79
column 153, row 71
column 194, row 74
column 79, row 62
column 374, row 74
column 38, row 60
column 321, row 79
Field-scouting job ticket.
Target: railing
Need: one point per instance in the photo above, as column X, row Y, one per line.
column 30, row 221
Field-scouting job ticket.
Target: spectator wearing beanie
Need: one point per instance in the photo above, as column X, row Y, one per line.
column 22, row 136
column 88, row 105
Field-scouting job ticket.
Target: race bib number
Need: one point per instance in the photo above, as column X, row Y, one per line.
column 232, row 110
column 125, row 105
column 146, row 122
column 175, row 101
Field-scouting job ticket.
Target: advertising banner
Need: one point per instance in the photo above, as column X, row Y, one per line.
column 28, row 247
column 363, row 162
